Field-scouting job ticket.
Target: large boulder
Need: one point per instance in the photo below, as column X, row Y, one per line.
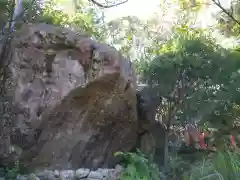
column 73, row 101
column 47, row 62
column 87, row 127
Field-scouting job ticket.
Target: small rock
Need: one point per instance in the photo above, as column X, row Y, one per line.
column 95, row 175
column 104, row 172
column 162, row 176
column 22, row 177
column 32, row 177
column 49, row 175
column 81, row 173
column 67, row 175
column 118, row 171
column 118, row 168
column 2, row 178
column 56, row 173
column 111, row 175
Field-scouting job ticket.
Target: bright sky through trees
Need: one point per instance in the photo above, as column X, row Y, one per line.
column 144, row 8
column 141, row 8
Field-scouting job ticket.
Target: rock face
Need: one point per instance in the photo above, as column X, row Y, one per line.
column 48, row 62
column 74, row 101
column 156, row 132
column 87, row 127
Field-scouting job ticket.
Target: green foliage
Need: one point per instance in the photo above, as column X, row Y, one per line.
column 10, row 173
column 121, row 32
column 200, row 81
column 85, row 19
column 223, row 166
column 3, row 12
column 31, row 11
column 197, row 75
column 137, row 166
column 226, row 24
column 193, row 5
column 219, row 166
column 53, row 15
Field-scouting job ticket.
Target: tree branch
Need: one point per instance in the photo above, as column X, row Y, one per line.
column 107, row 6
column 217, row 3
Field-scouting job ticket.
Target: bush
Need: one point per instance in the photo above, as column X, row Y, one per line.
column 137, row 166
column 10, row 173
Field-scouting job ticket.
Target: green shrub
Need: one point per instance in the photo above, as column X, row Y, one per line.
column 137, row 166
column 10, row 173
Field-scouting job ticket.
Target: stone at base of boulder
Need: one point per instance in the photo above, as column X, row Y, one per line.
column 83, row 174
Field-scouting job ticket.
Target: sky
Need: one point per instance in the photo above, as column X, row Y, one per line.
column 141, row 8
column 144, row 9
